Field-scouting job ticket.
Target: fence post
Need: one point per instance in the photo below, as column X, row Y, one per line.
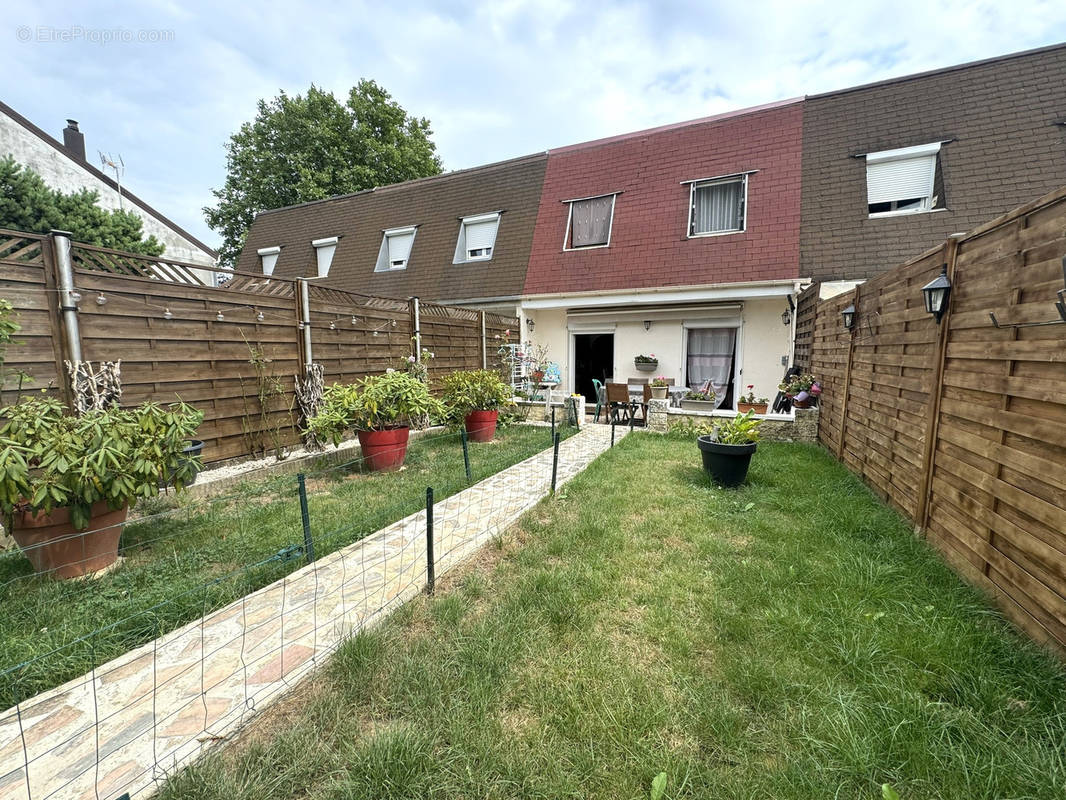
column 305, row 320
column 553, row 418
column 416, row 326
column 921, row 512
column 305, row 518
column 484, row 344
column 847, row 374
column 466, row 453
column 67, row 296
column 431, row 566
column 555, row 459
column 63, row 321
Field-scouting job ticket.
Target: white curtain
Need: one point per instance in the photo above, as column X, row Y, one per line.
column 718, row 207
column 710, row 358
column 591, row 221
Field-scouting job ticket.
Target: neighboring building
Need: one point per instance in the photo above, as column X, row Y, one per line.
column 63, row 166
column 691, row 241
column 682, row 242
column 894, row 168
column 462, row 237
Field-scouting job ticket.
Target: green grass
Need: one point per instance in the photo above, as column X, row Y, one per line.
column 182, row 562
column 791, row 639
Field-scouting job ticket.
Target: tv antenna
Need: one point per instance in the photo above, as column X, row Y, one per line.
column 118, row 166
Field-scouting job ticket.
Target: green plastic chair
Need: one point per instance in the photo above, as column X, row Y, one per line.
column 597, row 387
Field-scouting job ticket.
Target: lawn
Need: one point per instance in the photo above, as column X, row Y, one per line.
column 791, row 639
column 186, row 557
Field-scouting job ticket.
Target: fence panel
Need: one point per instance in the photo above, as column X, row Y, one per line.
column 830, row 349
column 806, row 313
column 453, row 335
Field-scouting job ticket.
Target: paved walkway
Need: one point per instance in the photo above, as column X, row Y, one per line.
column 129, row 723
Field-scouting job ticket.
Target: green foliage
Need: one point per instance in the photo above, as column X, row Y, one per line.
column 8, row 329
column 28, row 204
column 474, row 390
column 375, row 403
column 658, row 786
column 699, row 394
column 51, row 459
column 659, row 381
column 741, row 429
column 309, row 147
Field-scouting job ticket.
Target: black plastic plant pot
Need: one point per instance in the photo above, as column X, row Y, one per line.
column 192, row 449
column 727, row 464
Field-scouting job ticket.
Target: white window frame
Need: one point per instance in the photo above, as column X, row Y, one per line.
column 701, row 182
column 324, row 250
column 904, row 153
column 570, row 217
column 462, row 256
column 738, row 346
column 384, row 264
column 268, row 257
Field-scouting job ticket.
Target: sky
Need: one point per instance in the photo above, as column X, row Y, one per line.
column 166, row 83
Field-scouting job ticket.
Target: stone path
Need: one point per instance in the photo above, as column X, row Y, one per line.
column 131, row 722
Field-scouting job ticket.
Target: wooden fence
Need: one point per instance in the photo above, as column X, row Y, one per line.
column 962, row 425
column 233, row 350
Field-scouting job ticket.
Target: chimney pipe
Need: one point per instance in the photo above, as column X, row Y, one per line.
column 74, row 140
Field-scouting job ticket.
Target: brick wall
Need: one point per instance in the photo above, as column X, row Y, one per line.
column 648, row 244
column 1007, row 149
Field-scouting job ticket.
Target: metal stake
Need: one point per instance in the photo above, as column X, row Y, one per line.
column 612, row 433
column 305, row 516
column 553, row 422
column 555, row 459
column 466, row 453
column 430, row 565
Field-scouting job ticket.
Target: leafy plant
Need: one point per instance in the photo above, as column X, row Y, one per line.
column 419, row 366
column 646, row 359
column 50, row 458
column 8, row 329
column 797, row 384
column 749, row 398
column 741, row 429
column 700, row 394
column 660, row 381
column 474, row 390
column 376, row 403
column 262, row 427
column 658, row 786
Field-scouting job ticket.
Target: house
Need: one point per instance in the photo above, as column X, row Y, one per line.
column 692, row 241
column 63, row 166
column 462, row 237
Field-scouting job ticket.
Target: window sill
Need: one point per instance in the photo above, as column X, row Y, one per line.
column 472, row 261
column 889, row 214
column 586, row 247
column 715, row 234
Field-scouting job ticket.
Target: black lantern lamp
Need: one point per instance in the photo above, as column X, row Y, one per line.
column 849, row 317
column 530, row 324
column 936, row 294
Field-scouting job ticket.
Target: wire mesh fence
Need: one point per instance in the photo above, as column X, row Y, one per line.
column 177, row 647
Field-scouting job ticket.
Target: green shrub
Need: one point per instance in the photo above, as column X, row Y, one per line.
column 50, row 458
column 474, row 390
column 376, row 403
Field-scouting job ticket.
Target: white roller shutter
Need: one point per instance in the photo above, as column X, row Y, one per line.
column 400, row 248
column 902, row 174
column 481, row 235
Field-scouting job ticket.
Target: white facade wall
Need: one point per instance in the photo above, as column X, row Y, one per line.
column 62, row 172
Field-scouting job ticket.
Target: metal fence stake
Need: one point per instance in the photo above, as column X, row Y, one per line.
column 553, row 420
column 612, row 433
column 305, row 517
column 555, row 460
column 430, row 561
column 466, row 453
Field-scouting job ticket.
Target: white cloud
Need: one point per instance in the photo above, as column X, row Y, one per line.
column 496, row 79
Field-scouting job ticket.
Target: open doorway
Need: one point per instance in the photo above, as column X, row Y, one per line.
column 593, row 358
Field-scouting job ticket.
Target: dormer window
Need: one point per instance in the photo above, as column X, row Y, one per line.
column 477, row 238
column 324, row 249
column 395, row 249
column 269, row 258
column 589, row 222
column 903, row 181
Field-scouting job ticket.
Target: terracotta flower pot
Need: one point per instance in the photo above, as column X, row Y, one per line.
column 481, row 425
column 758, row 408
column 384, row 450
column 57, row 549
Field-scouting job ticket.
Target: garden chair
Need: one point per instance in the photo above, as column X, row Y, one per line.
column 597, row 387
column 620, row 406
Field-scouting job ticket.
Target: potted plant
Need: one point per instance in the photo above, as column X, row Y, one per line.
column 67, row 482
column 699, row 400
column 802, row 390
column 382, row 410
column 727, row 452
column 476, row 397
column 748, row 402
column 659, row 387
column 646, row 363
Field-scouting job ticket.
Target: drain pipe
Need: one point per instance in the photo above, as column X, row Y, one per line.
column 418, row 329
column 68, row 296
column 305, row 323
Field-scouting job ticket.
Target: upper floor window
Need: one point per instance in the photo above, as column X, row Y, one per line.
column 589, row 222
column 477, row 238
column 324, row 249
column 395, row 249
column 269, row 256
column 718, row 205
column 903, row 181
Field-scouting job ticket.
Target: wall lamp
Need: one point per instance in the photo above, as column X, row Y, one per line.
column 936, row 294
column 786, row 317
column 849, row 317
column 530, row 324
column 647, row 324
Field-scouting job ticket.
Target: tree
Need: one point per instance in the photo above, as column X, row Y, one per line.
column 309, row 147
column 28, row 204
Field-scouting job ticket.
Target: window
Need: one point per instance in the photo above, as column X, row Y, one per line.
column 903, row 181
column 718, row 206
column 269, row 256
column 477, row 238
column 711, row 353
column 324, row 249
column 395, row 249
column 589, row 222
